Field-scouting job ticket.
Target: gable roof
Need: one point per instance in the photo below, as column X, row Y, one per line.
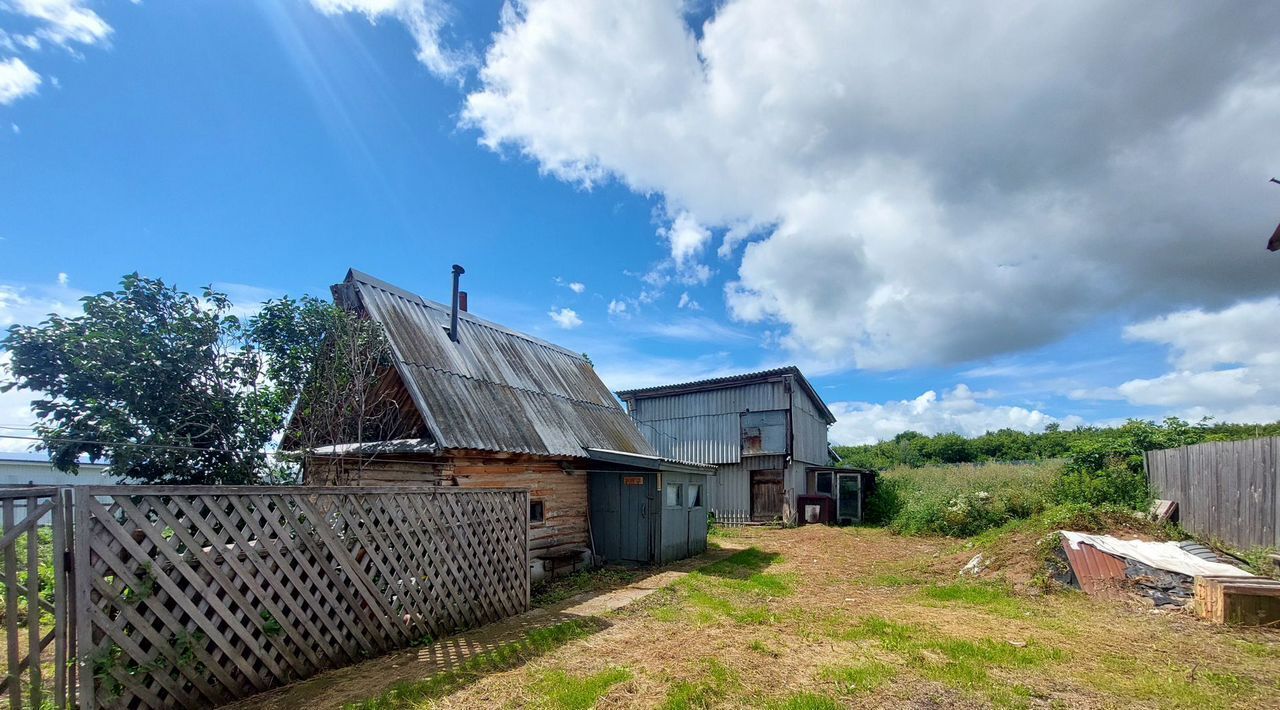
column 747, row 378
column 496, row 389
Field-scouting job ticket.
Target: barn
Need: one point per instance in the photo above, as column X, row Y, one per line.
column 481, row 405
column 766, row 433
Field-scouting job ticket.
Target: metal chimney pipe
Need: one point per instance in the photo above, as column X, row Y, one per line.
column 453, row 316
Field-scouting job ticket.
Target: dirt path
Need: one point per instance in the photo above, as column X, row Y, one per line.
column 364, row 680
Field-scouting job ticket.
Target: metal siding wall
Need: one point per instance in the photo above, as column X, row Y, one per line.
column 810, row 431
column 704, row 426
column 731, row 486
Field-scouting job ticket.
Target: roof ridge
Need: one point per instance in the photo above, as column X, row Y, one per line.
column 729, row 380
column 472, row 318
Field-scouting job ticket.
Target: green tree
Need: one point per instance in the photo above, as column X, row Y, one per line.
column 165, row 384
column 336, row 368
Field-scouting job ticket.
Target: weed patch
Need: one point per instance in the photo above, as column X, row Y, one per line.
column 996, row 598
column 505, row 657
column 860, row 678
column 559, row 690
column 715, row 685
column 561, row 588
column 805, row 701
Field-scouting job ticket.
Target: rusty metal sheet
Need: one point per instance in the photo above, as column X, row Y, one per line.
column 1100, row 575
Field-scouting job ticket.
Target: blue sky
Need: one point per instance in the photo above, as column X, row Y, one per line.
column 708, row 190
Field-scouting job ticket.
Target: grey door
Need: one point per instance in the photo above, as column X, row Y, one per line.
column 694, row 493
column 634, row 534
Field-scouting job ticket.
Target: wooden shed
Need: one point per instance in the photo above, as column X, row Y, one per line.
column 648, row 509
column 489, row 407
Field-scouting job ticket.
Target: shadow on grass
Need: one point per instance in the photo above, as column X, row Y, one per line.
column 741, row 565
column 453, row 664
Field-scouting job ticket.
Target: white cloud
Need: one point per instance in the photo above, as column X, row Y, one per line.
column 1226, row 364
column 63, row 279
column 927, row 186
column 27, row 304
column 63, row 21
column 566, row 318
column 958, row 410
column 425, row 20
column 691, row 329
column 687, row 302
column 618, row 308
column 575, row 286
column 16, row 81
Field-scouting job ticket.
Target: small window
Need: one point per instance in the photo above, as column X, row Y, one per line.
column 764, row 432
column 536, row 511
column 694, row 495
column 673, row 495
column 823, row 483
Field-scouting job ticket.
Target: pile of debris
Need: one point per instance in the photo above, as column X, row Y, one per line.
column 1170, row 574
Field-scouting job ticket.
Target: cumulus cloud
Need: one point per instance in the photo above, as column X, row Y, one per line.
column 62, row 22
column 957, row 410
column 618, row 308
column 16, row 81
column 425, row 20
column 687, row 302
column 566, row 318
column 916, row 185
column 575, row 286
column 1226, row 364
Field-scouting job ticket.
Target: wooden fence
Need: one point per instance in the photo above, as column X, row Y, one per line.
column 191, row 596
column 36, row 604
column 1227, row 490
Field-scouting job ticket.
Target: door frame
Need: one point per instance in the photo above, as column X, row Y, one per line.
column 751, row 490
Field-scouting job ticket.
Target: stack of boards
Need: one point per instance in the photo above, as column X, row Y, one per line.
column 1245, row 601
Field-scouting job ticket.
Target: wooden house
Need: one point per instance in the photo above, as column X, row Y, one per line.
column 766, row 433
column 489, row 407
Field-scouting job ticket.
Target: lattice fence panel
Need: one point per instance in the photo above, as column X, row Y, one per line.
column 194, row 596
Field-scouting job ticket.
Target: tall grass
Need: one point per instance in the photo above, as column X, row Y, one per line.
column 960, row 500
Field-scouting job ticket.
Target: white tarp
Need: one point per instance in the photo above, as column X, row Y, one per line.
column 1161, row 555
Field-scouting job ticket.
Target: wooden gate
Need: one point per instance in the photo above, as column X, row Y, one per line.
column 766, row 495
column 37, row 619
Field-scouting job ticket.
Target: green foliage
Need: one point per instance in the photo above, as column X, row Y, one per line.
column 165, row 384
column 929, row 489
column 562, row 691
column 1108, row 467
column 174, row 388
column 960, row 500
column 704, row 692
column 914, row 449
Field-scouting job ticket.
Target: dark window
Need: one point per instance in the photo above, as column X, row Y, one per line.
column 764, row 432
column 823, row 483
column 694, row 495
column 536, row 511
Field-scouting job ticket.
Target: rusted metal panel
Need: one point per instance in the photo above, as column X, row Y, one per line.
column 496, row 389
column 1099, row 574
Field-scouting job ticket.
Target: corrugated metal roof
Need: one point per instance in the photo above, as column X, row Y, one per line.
column 733, row 381
column 1099, row 574
column 496, row 389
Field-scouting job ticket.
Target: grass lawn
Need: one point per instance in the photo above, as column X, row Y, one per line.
column 822, row 618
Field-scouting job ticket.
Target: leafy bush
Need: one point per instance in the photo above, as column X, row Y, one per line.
column 960, row 500
column 1108, row 469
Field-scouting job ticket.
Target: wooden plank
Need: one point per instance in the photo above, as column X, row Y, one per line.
column 11, row 609
column 34, row 645
column 62, row 623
